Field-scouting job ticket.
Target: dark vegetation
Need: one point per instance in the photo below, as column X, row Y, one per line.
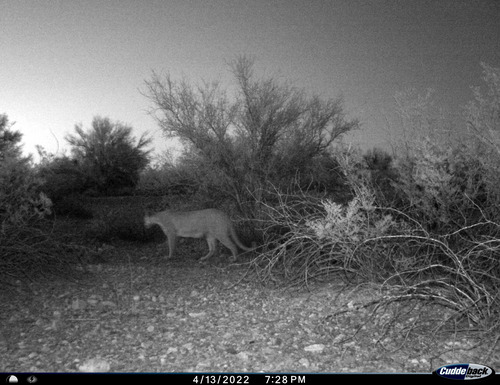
column 421, row 224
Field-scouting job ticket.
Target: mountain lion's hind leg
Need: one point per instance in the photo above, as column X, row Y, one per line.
column 172, row 242
column 226, row 241
column 212, row 244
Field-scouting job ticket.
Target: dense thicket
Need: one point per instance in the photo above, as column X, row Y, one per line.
column 268, row 134
column 108, row 156
column 423, row 223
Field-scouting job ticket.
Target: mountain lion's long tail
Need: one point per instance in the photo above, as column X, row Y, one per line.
column 235, row 238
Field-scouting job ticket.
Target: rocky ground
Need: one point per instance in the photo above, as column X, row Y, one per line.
column 137, row 312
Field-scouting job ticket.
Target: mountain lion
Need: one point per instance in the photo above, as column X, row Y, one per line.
column 210, row 224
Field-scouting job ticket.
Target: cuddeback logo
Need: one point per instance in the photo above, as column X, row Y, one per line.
column 464, row 371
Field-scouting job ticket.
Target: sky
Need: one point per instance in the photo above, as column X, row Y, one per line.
column 65, row 61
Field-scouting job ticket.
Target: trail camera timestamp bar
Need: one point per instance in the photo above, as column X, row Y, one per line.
column 235, row 379
column 281, row 379
column 24, row 378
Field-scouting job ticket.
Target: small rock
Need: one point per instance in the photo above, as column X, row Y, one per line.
column 147, row 344
column 197, row 315
column 78, row 304
column 315, row 348
column 94, row 365
column 338, row 338
column 203, row 366
column 304, row 362
column 188, row 346
column 268, row 351
column 172, row 350
column 243, row 356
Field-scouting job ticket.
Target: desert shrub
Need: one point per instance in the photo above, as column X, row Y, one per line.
column 383, row 174
column 446, row 189
column 425, row 186
column 27, row 245
column 74, row 206
column 108, row 156
column 64, row 183
column 20, row 197
column 186, row 179
column 61, row 175
column 483, row 122
column 445, row 181
column 436, row 241
column 269, row 132
column 311, row 239
column 125, row 223
column 167, row 177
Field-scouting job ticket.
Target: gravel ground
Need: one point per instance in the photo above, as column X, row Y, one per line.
column 140, row 313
